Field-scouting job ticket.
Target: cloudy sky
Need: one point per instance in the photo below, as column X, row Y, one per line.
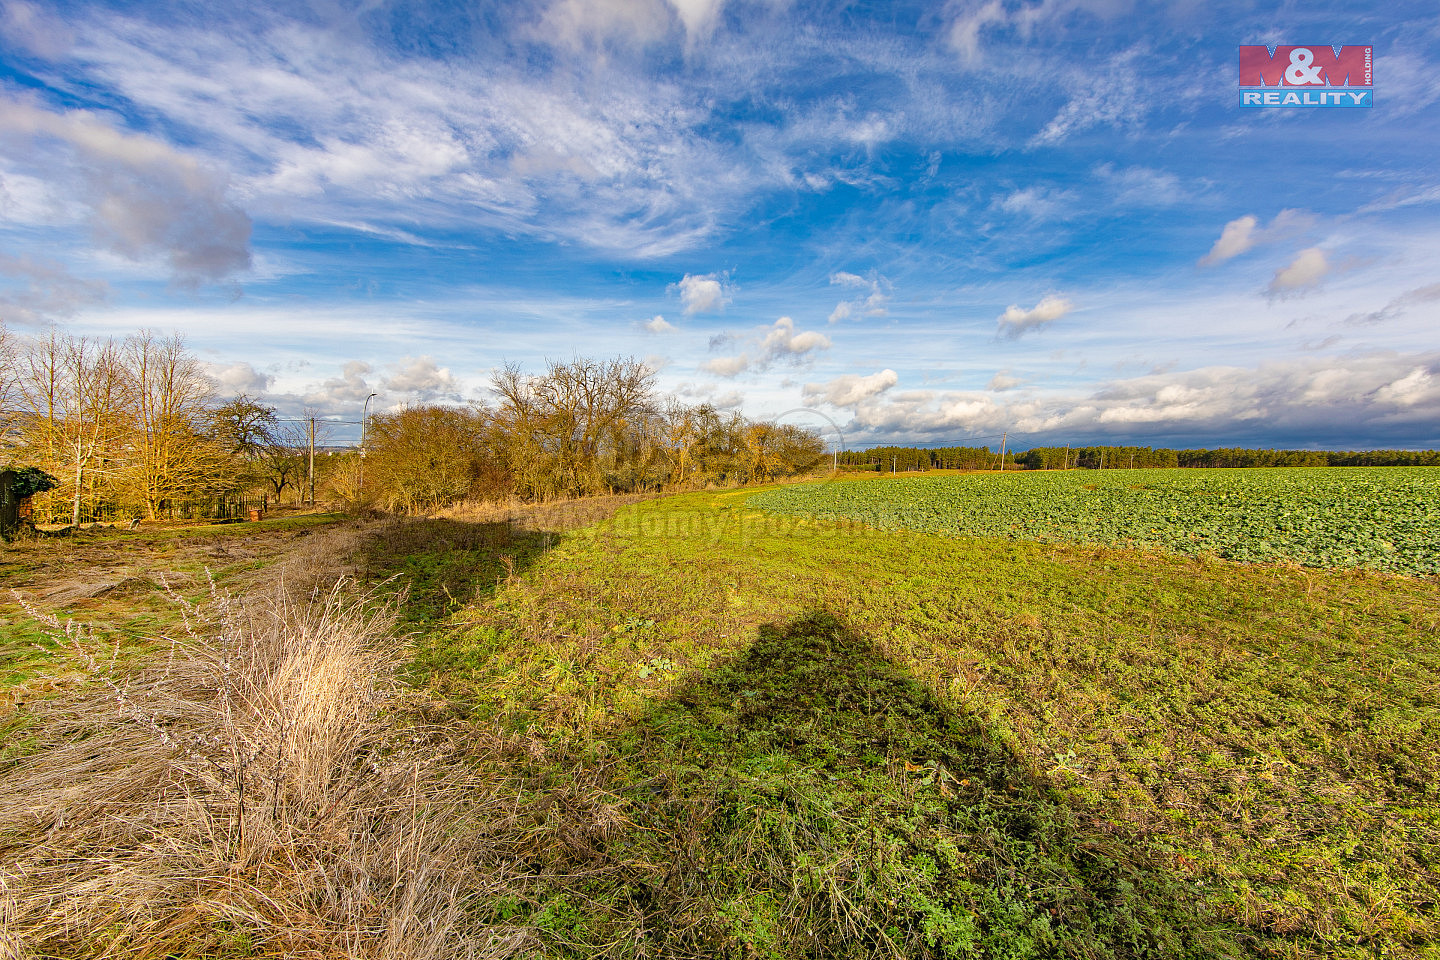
column 928, row 221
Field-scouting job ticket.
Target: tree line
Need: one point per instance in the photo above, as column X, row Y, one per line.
column 886, row 459
column 135, row 425
column 578, row 428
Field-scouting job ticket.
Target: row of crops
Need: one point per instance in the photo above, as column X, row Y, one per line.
column 1385, row 518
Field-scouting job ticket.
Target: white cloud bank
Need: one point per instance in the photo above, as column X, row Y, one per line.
column 1385, row 396
column 851, row 389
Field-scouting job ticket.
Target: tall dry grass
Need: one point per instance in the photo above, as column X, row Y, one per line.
column 254, row 792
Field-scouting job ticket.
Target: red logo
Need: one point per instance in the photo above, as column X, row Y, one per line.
column 1311, row 66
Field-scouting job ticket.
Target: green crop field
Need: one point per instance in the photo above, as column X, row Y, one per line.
column 1381, row 518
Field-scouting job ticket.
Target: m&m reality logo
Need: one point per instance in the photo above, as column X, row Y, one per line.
column 1318, row 75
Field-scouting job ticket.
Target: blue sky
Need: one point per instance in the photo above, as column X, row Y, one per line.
column 926, row 221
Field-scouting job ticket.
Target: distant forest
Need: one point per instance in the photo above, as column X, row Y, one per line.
column 901, row 459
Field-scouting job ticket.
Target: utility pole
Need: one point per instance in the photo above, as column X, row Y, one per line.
column 312, row 462
column 1004, row 440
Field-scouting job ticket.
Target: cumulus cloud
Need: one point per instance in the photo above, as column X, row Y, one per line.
column 658, row 324
column 1244, row 233
column 1398, row 306
column 783, row 340
column 872, row 304
column 1015, row 322
column 727, row 366
column 143, row 197
column 1237, row 237
column 775, row 343
column 348, row 388
column 1002, row 381
column 851, row 389
column 1304, row 273
column 233, row 379
column 422, row 379
column 702, row 294
column 45, row 290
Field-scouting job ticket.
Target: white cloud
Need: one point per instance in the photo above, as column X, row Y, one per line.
column 233, row 379
column 1387, row 397
column 964, row 32
column 1038, row 203
column 422, row 379
column 36, row 30
column 873, row 304
column 782, row 340
column 143, row 197
column 1142, row 186
column 1101, row 98
column 703, row 294
column 348, row 388
column 579, row 24
column 850, row 390
column 777, row 342
column 727, row 366
column 1304, row 273
column 1015, row 322
column 1244, row 233
column 1002, row 381
column 1411, row 389
column 1237, row 237
column 658, row 324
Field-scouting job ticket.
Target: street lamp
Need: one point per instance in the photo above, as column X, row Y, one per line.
column 364, row 427
column 365, row 419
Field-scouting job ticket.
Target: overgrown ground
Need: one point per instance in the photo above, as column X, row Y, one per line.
column 120, row 582
column 699, row 730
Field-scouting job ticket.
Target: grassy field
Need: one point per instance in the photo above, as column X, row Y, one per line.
column 1379, row 517
column 692, row 728
column 830, row 740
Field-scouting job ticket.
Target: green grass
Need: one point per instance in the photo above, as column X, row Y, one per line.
column 803, row 739
column 1385, row 518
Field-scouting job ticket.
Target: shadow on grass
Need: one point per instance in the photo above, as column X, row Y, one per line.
column 443, row 565
column 809, row 798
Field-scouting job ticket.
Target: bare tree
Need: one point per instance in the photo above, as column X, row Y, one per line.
column 9, row 372
column 76, row 418
column 571, row 426
column 419, row 458
column 171, row 399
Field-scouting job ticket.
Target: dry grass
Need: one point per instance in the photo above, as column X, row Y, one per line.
column 552, row 516
column 253, row 793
